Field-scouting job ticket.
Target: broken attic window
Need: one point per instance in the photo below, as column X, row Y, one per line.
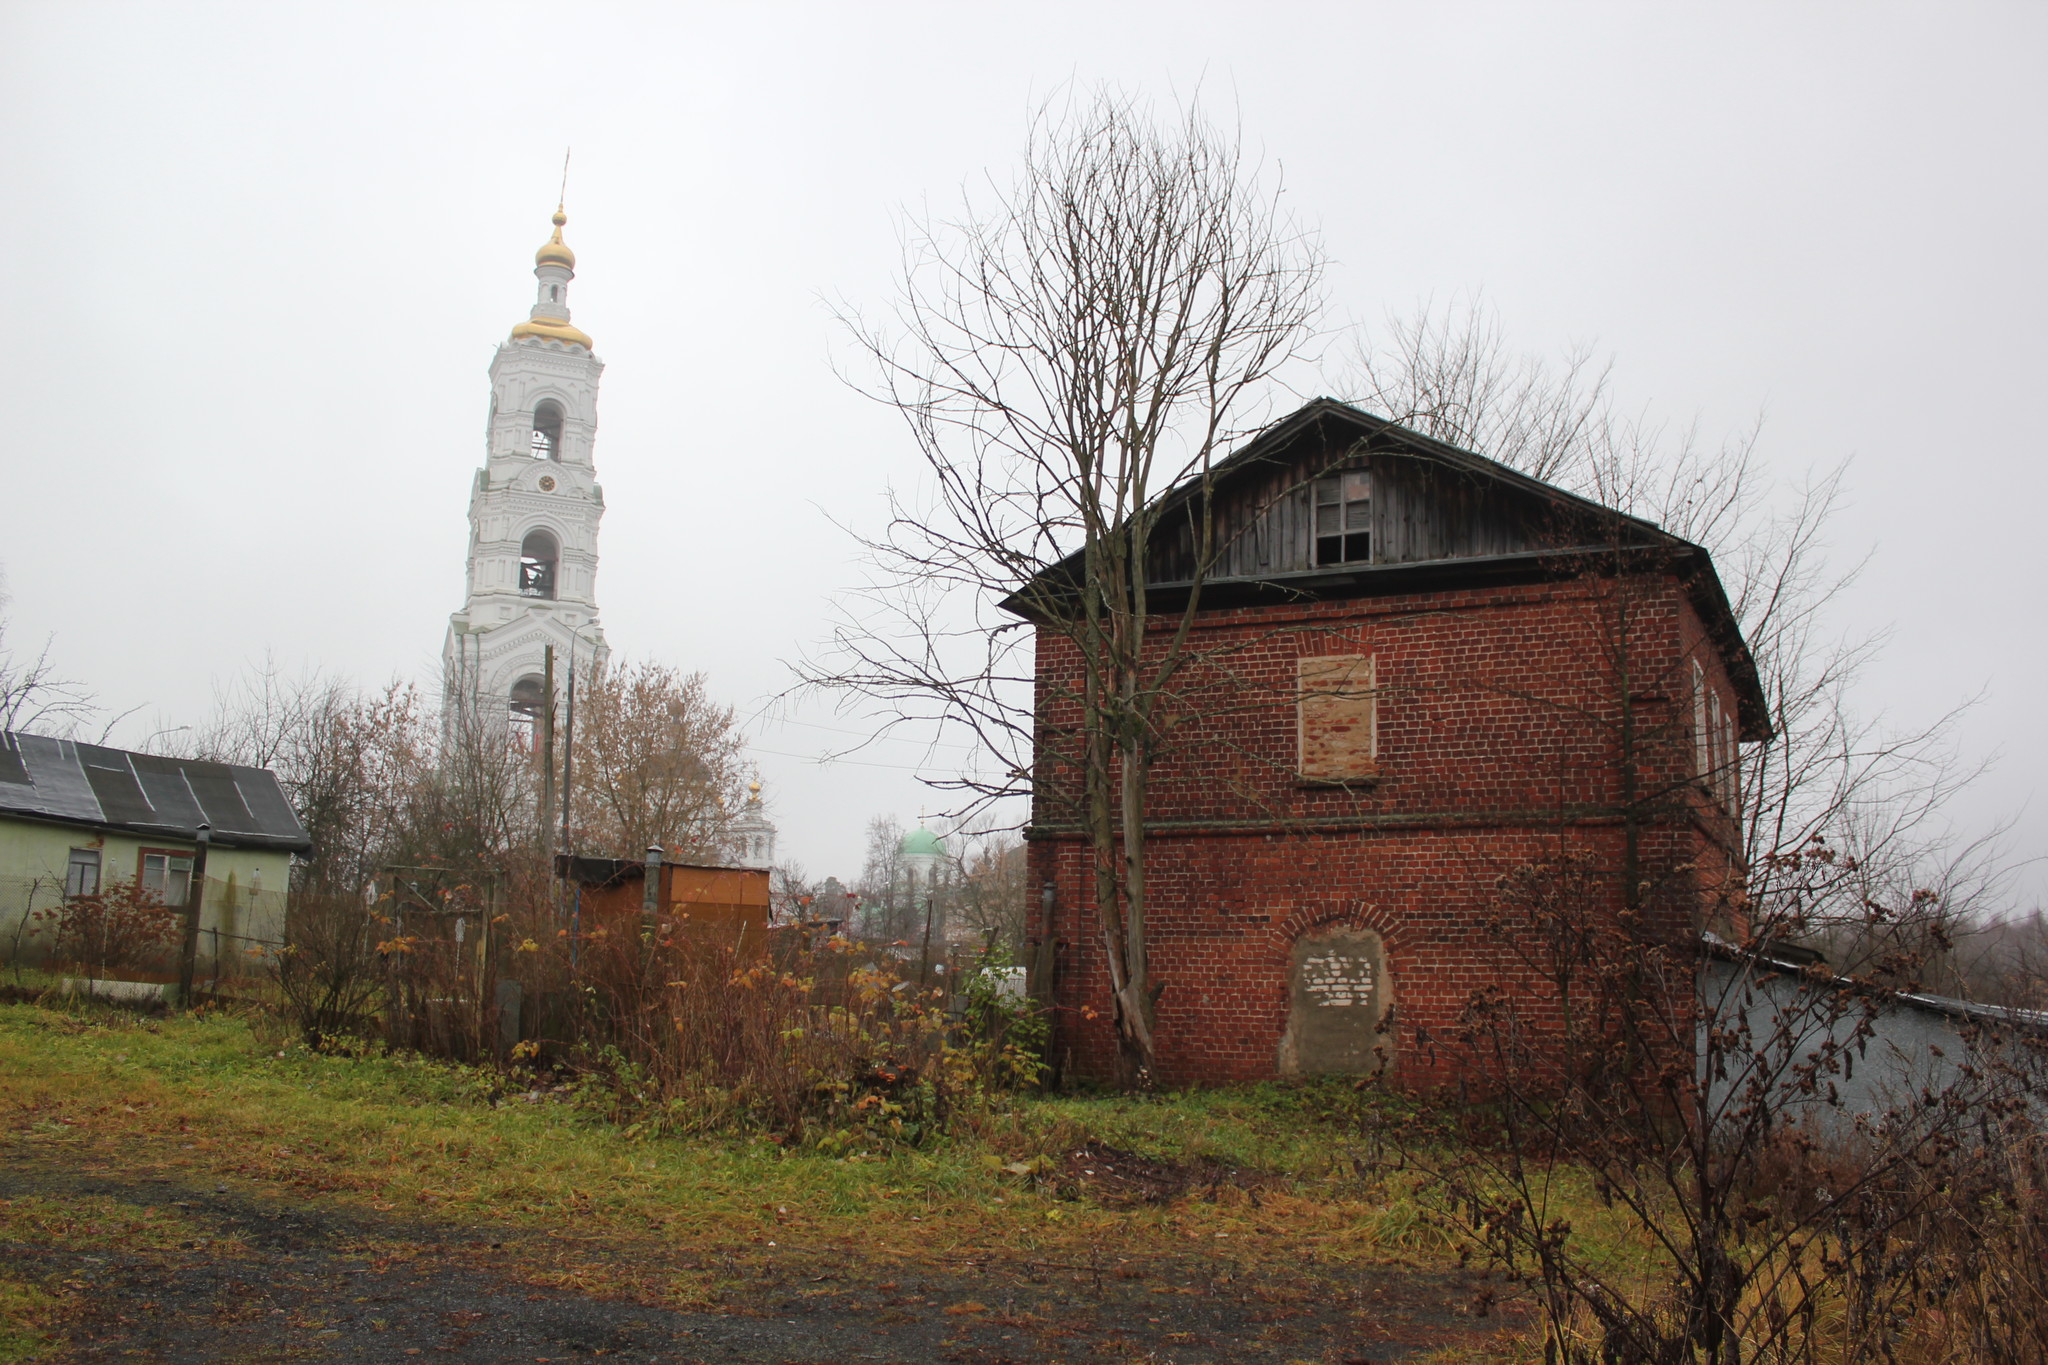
column 1344, row 517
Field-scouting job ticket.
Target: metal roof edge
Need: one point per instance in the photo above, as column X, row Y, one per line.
column 217, row 838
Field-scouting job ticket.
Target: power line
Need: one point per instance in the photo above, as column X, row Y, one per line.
column 861, row 734
column 857, row 762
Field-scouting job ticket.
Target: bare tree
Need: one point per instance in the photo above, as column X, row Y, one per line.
column 657, row 761
column 886, row 909
column 1064, row 354
column 791, row 893
column 265, row 718
column 35, row 698
column 1832, row 777
column 1705, row 1085
column 993, row 899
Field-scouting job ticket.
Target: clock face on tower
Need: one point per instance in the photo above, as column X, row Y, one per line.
column 547, row 483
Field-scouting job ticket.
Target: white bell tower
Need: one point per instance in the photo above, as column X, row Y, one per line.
column 533, row 512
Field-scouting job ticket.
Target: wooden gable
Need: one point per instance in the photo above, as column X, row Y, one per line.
column 1277, row 509
column 1436, row 517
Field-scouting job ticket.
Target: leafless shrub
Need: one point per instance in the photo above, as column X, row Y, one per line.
column 329, row 972
column 818, row 1040
column 1770, row 1147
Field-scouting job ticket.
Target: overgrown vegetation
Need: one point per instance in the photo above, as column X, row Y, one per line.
column 235, row 1093
column 1811, row 1193
column 124, row 926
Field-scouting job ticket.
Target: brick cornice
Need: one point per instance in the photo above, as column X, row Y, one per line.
column 1345, row 824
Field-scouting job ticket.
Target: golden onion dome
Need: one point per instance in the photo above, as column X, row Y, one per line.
column 555, row 251
column 548, row 330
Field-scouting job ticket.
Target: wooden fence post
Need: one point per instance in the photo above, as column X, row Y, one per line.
column 195, row 894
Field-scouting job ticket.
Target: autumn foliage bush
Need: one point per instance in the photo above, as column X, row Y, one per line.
column 823, row 1043
column 812, row 1038
column 121, row 928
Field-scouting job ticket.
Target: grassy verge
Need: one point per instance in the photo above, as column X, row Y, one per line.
column 27, row 1312
column 208, row 1096
column 1284, row 1184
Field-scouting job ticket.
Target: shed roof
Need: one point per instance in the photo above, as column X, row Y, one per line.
column 64, row 781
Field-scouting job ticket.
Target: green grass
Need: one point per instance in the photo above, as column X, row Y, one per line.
column 25, row 1310
column 222, row 1093
column 225, row 1097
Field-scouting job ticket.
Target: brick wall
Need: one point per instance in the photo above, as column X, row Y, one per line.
column 1499, row 741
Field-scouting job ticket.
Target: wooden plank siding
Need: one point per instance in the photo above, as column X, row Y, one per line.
column 1423, row 510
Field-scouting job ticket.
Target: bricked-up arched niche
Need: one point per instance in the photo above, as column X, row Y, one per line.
column 1340, row 1012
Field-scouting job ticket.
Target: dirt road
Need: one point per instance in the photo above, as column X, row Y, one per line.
column 254, row 1276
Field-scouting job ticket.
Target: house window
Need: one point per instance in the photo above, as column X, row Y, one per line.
column 1344, row 517
column 1714, row 741
column 1338, row 718
column 167, row 876
column 82, row 876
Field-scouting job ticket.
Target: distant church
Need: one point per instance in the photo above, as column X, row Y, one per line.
column 533, row 511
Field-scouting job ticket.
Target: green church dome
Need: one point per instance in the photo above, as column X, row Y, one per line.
column 922, row 843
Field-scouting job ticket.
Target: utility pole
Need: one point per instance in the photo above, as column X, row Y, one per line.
column 569, row 750
column 195, row 892
column 547, row 756
column 650, row 896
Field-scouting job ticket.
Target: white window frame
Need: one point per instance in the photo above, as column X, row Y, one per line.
column 172, row 870
column 81, row 859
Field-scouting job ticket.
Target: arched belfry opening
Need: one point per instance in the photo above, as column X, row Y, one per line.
column 529, row 695
column 546, row 442
column 540, row 557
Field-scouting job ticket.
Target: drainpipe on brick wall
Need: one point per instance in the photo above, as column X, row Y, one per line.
column 1038, row 970
column 650, row 911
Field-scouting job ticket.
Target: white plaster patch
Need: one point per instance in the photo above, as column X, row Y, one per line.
column 1337, row 980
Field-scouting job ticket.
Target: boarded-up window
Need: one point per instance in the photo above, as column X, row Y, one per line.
column 1339, row 737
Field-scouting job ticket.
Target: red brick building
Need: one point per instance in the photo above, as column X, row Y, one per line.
column 1421, row 671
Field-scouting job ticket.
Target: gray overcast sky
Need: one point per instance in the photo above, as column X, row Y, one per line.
column 258, row 258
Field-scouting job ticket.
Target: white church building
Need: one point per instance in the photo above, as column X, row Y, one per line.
column 534, row 510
